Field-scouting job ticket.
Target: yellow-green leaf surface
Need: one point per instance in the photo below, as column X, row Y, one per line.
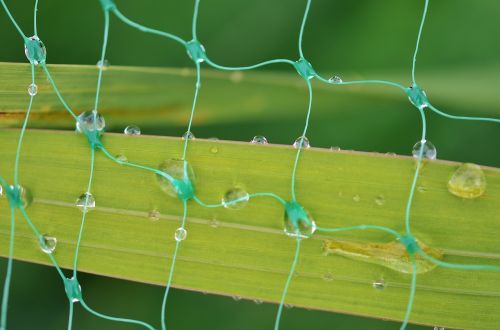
column 245, row 252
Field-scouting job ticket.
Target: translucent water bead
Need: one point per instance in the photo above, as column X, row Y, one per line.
column 180, row 234
column 89, row 121
column 188, row 136
column 85, row 202
column 259, row 139
column 35, row 50
column 179, row 170
column 132, row 130
column 235, row 198
column 335, row 80
column 48, row 244
column 19, row 196
column 103, row 64
column 32, row 89
column 305, row 143
column 468, row 181
column 429, row 150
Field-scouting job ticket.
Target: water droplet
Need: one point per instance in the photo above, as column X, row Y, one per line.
column 213, row 138
column 85, row 202
column 335, row 148
column 177, row 169
column 380, row 200
column 288, row 306
column 48, row 243
column 429, row 150
column 421, row 189
column 356, row 198
column 328, row 277
column 188, row 136
column 214, row 223
column 258, row 301
column 468, row 181
column 23, row 196
column 438, row 328
column 379, row 284
column 132, row 130
column 180, row 234
column 1, row 191
column 103, row 64
column 121, row 158
column 236, row 298
column 236, row 76
column 154, row 215
column 32, row 89
column 235, row 198
column 391, row 154
column 335, row 80
column 89, row 120
column 298, row 221
column 35, row 50
column 259, row 139
column 214, row 149
column 302, row 141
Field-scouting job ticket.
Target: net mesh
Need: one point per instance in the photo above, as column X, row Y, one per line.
column 298, row 223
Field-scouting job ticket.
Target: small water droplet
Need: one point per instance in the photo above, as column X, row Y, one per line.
column 213, row 138
column 154, row 215
column 438, row 328
column 335, row 148
column 132, row 130
column 328, row 277
column 380, row 200
column 468, row 181
column 121, row 158
column 236, row 298
column 180, row 234
column 302, row 141
column 258, row 301
column 429, row 150
column 356, row 198
column 1, row 191
column 379, row 284
column 288, row 306
column 391, row 154
column 335, row 80
column 175, row 168
column 48, row 243
column 103, row 64
column 85, row 202
column 259, row 139
column 188, row 136
column 89, row 120
column 214, row 149
column 235, row 198
column 32, row 89
column 421, row 189
column 214, row 223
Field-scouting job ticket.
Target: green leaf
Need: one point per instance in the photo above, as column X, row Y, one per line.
column 245, row 252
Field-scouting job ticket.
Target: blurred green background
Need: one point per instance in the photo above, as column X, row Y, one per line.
column 458, row 65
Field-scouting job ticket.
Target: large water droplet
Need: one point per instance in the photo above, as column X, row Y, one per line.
column 177, row 169
column 85, row 202
column 468, row 181
column 302, row 141
column 259, row 139
column 180, row 234
column 35, row 50
column 103, row 64
column 429, row 150
column 48, row 243
column 32, row 89
column 235, row 198
column 90, row 120
column 188, row 136
column 379, row 284
column 335, row 80
column 132, row 130
column 298, row 221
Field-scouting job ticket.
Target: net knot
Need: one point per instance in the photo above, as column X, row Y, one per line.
column 196, row 51
column 410, row 243
column 73, row 289
column 184, row 188
column 417, row 96
column 107, row 5
column 35, row 50
column 14, row 195
column 305, row 69
column 297, row 218
column 91, row 124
